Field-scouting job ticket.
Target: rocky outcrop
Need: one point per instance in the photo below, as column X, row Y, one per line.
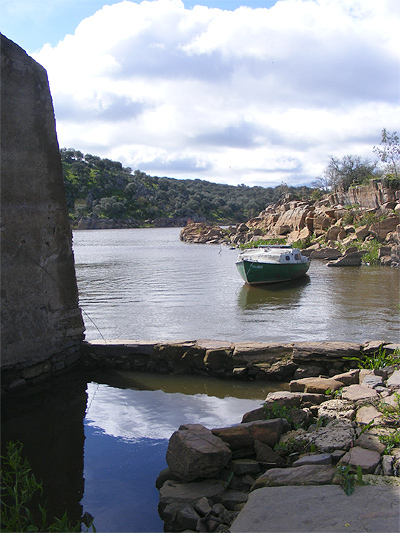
column 324, row 223
column 41, row 321
column 280, row 450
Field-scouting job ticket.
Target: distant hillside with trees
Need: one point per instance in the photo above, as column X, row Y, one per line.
column 103, row 189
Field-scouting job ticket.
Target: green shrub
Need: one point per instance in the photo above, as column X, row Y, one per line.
column 21, row 494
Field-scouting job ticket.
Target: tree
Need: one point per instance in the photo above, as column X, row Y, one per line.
column 347, row 171
column 389, row 151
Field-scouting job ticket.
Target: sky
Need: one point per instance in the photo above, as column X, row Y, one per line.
column 260, row 92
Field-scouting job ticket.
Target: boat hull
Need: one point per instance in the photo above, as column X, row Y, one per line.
column 258, row 273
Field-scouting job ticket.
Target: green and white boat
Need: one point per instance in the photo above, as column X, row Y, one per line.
column 271, row 264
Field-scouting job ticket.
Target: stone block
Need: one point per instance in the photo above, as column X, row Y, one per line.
column 358, row 392
column 368, row 460
column 194, row 452
column 315, row 385
column 299, row 475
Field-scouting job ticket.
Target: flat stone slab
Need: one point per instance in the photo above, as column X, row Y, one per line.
column 314, row 385
column 309, row 474
column 358, row 392
column 324, row 508
column 394, row 380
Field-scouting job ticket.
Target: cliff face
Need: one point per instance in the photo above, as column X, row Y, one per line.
column 41, row 321
column 370, row 196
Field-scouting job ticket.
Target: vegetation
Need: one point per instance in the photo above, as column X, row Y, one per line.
column 348, row 478
column 101, row 188
column 351, row 170
column 21, row 495
column 379, row 359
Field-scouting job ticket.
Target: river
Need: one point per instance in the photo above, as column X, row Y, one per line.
column 98, row 441
column 145, row 284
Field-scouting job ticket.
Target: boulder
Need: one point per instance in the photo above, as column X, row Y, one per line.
column 244, row 435
column 362, row 232
column 348, row 378
column 335, row 233
column 370, row 441
column 293, row 399
column 232, row 498
column 299, row 475
column 195, row 452
column 315, row 385
column 358, row 392
column 351, row 259
column 357, row 456
column 265, row 454
column 187, row 517
column 382, row 228
column 326, row 253
column 367, row 414
column 174, row 492
column 336, row 408
column 394, row 380
column 371, row 381
column 338, row 434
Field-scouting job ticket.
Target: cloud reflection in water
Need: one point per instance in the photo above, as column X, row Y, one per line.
column 136, row 414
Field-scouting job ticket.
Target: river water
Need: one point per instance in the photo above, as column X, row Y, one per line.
column 145, row 284
column 98, row 441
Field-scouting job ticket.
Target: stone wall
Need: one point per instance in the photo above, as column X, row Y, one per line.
column 269, row 361
column 41, row 321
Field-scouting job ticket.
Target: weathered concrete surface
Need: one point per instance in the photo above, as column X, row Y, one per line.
column 41, row 322
column 320, row 508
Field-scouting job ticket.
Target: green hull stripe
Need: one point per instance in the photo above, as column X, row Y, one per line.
column 258, row 273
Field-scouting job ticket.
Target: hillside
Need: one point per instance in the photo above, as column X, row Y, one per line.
column 100, row 189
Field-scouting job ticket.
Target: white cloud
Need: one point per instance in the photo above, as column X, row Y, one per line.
column 245, row 96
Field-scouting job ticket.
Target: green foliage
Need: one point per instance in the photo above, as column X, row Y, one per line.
column 391, row 413
column 262, row 242
column 348, row 478
column 335, row 393
column 101, row 188
column 379, row 359
column 275, row 410
column 392, row 440
column 293, row 446
column 21, row 494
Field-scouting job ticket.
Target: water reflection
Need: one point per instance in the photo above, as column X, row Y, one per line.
column 282, row 295
column 129, row 420
column 48, row 421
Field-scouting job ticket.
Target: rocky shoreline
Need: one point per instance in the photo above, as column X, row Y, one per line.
column 325, row 229
column 342, row 430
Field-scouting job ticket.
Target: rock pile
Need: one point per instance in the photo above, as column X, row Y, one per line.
column 325, row 223
column 318, row 433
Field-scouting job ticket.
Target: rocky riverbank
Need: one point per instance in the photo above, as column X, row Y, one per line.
column 342, row 430
column 324, row 229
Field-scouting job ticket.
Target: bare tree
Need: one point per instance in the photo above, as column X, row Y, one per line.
column 389, row 151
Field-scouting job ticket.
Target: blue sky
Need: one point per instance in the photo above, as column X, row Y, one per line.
column 33, row 23
column 257, row 92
